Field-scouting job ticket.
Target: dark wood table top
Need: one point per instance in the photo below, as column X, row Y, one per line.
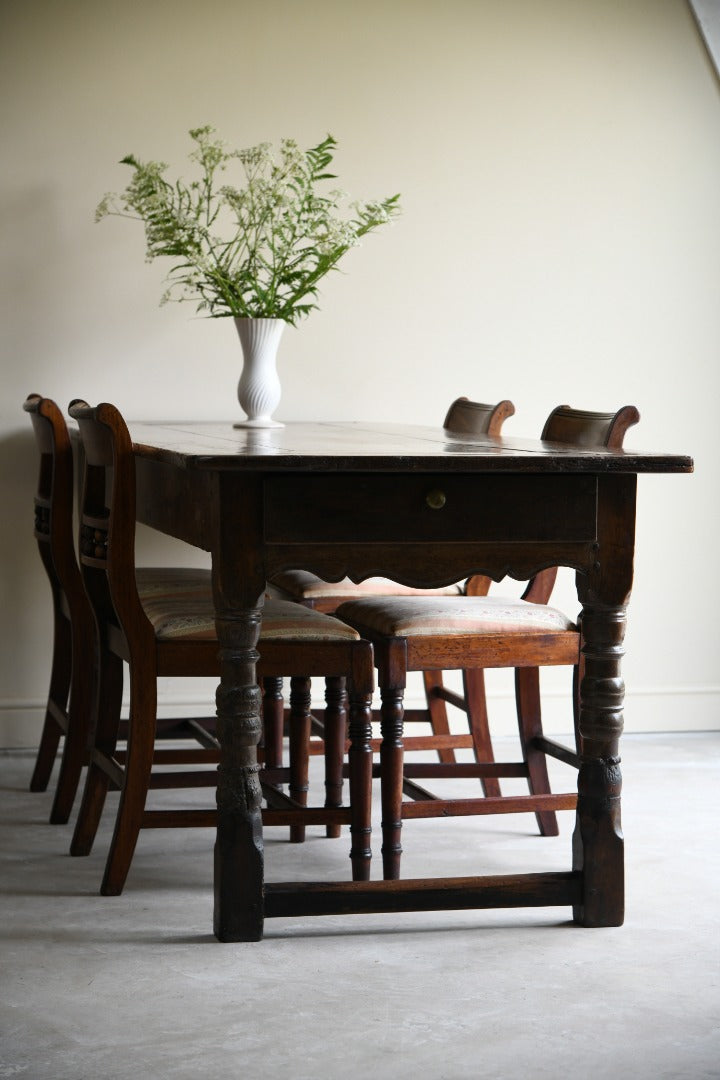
column 378, row 447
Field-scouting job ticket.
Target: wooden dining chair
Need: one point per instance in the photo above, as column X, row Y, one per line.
column 478, row 632
column 465, row 419
column 171, row 632
column 70, row 698
column 67, row 709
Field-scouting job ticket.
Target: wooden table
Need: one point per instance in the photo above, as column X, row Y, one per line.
column 351, row 499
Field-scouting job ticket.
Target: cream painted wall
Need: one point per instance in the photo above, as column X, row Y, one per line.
column 559, row 164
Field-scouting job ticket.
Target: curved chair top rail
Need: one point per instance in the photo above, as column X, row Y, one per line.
column 107, row 511
column 54, row 504
column 467, row 417
column 581, row 428
column 102, row 430
column 55, row 479
column 578, row 427
column 51, row 432
column 107, row 515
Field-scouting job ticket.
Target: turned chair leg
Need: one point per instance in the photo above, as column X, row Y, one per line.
column 474, row 685
column 300, row 729
column 109, row 700
column 273, row 721
column 391, row 772
column 335, row 724
column 136, row 782
column 60, row 674
column 360, row 759
column 527, row 695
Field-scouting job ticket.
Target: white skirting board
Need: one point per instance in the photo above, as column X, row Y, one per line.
column 663, row 709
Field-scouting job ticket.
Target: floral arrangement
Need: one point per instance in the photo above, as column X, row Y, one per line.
column 254, row 251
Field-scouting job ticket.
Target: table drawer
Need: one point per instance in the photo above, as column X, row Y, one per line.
column 333, row 508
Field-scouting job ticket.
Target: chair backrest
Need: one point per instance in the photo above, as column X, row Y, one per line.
column 579, row 428
column 107, row 520
column 465, row 417
column 54, row 507
column 576, row 427
column 468, row 418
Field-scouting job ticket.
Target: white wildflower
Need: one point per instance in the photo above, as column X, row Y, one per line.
column 258, row 249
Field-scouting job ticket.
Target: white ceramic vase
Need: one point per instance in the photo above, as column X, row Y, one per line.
column 259, row 389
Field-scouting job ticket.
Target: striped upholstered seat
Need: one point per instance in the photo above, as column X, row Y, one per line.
column 408, row 617
column 178, row 613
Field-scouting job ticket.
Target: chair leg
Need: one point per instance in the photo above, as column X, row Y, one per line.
column 391, row 778
column 300, row 727
column 136, row 781
column 47, row 751
column 433, row 681
column 77, row 738
column 273, row 721
column 360, row 760
column 108, row 700
column 476, row 701
column 335, row 723
column 60, row 674
column 527, row 697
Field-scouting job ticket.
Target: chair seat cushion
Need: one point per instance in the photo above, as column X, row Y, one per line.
column 185, row 612
column 301, row 585
column 409, row 617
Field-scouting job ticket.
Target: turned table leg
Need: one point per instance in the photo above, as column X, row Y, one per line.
column 239, row 862
column 598, row 849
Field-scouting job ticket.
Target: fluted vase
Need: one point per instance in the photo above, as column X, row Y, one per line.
column 259, row 389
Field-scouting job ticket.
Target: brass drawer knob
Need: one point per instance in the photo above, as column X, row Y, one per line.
column 435, row 499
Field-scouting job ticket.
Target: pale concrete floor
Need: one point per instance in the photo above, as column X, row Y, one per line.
column 136, row 986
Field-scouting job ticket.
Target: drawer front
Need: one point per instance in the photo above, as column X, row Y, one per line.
column 382, row 508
